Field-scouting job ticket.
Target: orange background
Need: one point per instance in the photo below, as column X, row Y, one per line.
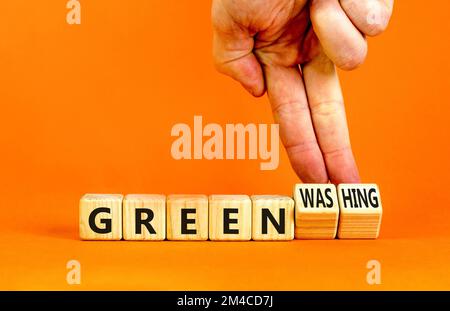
column 89, row 108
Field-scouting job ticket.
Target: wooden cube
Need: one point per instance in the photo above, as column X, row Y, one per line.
column 273, row 218
column 187, row 217
column 101, row 217
column 316, row 211
column 144, row 217
column 230, row 218
column 360, row 211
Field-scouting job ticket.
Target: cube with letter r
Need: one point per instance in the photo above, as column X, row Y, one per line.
column 144, row 217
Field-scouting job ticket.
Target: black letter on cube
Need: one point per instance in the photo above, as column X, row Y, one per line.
column 185, row 221
column 106, row 222
column 227, row 221
column 146, row 221
column 280, row 227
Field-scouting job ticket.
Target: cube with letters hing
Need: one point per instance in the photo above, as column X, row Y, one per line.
column 101, row 217
column 273, row 218
column 360, row 211
column 144, row 217
column 187, row 217
column 316, row 211
column 230, row 218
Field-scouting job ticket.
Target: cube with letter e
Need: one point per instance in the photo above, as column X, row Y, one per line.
column 230, row 218
column 187, row 217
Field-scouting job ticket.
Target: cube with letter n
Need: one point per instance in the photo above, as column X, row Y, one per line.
column 273, row 217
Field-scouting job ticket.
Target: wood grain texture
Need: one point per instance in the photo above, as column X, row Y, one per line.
column 91, row 202
column 197, row 206
column 316, row 211
column 148, row 205
column 360, row 211
column 236, row 208
column 281, row 208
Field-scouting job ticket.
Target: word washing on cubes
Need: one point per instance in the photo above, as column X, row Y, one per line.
column 316, row 211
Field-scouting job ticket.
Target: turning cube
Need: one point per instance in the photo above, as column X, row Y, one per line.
column 230, row 218
column 144, row 217
column 360, row 211
column 101, row 217
column 273, row 217
column 316, row 211
column 187, row 217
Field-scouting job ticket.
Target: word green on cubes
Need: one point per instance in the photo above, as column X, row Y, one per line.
column 316, row 211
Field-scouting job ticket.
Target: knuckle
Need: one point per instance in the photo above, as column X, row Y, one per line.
column 327, row 108
column 337, row 152
column 219, row 65
column 298, row 147
column 287, row 109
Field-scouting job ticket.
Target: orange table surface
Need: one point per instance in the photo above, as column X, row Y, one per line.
column 35, row 249
column 37, row 262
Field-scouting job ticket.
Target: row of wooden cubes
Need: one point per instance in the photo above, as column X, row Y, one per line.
column 317, row 211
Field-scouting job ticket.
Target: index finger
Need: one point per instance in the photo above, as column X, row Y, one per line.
column 287, row 96
column 329, row 120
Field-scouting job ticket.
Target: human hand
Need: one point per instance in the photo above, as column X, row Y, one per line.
column 289, row 48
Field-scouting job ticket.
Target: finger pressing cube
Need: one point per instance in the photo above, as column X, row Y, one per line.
column 316, row 211
column 360, row 211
